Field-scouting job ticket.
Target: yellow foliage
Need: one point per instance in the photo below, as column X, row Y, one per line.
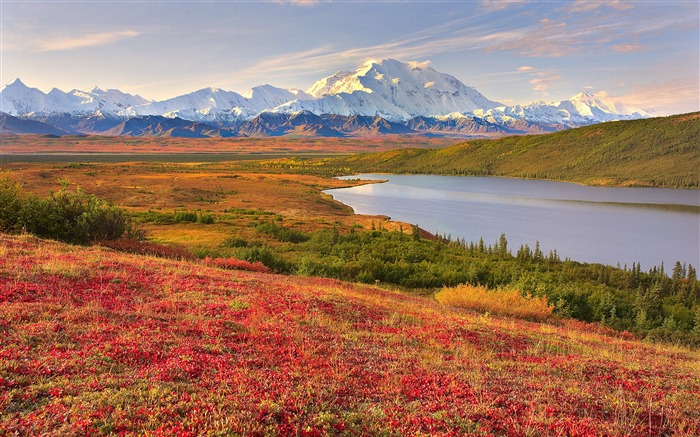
column 503, row 302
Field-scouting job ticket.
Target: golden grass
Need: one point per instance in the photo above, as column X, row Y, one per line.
column 213, row 187
column 501, row 302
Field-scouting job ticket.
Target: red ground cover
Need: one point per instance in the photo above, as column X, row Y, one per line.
column 98, row 342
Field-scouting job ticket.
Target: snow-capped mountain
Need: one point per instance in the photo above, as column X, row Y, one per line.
column 582, row 109
column 409, row 93
column 219, row 106
column 19, row 99
column 394, row 90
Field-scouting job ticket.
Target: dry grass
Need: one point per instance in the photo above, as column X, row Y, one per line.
column 100, row 144
column 213, row 187
column 502, row 302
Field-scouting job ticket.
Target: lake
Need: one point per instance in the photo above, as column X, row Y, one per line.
column 586, row 224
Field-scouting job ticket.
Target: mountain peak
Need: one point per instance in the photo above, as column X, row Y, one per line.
column 396, row 90
column 15, row 83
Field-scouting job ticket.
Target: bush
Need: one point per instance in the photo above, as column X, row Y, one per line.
column 185, row 216
column 205, row 218
column 266, row 256
column 10, row 205
column 147, row 248
column 234, row 242
column 503, row 302
column 236, row 264
column 70, row 216
column 282, row 233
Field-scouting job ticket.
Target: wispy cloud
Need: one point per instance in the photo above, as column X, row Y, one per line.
column 670, row 97
column 590, row 5
column 543, row 81
column 303, row 3
column 625, row 48
column 500, row 4
column 89, row 40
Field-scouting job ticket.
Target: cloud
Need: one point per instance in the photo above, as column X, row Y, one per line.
column 625, row 48
column 303, row 3
column 496, row 5
column 590, row 5
column 526, row 68
column 89, row 40
column 543, row 81
column 675, row 96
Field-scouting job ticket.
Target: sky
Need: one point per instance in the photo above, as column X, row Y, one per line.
column 645, row 53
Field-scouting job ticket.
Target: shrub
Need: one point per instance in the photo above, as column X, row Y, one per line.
column 266, row 256
column 71, row 216
column 236, row 264
column 234, row 242
column 185, row 216
column 147, row 248
column 205, row 218
column 282, row 233
column 10, row 205
column 503, row 302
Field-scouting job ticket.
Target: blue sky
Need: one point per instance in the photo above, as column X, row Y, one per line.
column 514, row 51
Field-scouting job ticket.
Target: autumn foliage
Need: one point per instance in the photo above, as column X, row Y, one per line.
column 236, row 264
column 505, row 302
column 99, row 342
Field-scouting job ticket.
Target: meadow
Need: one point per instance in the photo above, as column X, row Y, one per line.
column 95, row 144
column 98, row 342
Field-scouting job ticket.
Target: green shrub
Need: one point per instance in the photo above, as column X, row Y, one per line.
column 205, row 218
column 71, row 216
column 282, row 233
column 185, row 216
column 234, row 242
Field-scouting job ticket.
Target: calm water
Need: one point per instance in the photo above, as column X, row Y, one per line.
column 588, row 224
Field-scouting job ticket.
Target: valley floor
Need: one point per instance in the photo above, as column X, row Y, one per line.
column 98, row 342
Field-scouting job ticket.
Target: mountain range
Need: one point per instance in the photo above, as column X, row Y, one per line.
column 380, row 97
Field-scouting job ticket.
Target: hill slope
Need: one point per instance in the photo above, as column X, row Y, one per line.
column 662, row 151
column 97, row 342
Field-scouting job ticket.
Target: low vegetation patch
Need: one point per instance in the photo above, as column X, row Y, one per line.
column 282, row 233
column 70, row 216
column 502, row 302
column 121, row 344
column 236, row 264
column 149, row 248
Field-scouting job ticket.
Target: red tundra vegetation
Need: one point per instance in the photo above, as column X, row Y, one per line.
column 98, row 342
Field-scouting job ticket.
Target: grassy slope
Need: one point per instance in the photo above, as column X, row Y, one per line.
column 95, row 342
column 653, row 152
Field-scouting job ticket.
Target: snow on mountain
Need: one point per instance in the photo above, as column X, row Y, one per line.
column 220, row 106
column 582, row 109
column 264, row 97
column 207, row 104
column 19, row 99
column 325, row 86
column 391, row 89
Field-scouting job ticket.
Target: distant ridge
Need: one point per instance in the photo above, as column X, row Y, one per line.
column 393, row 93
column 659, row 152
column 10, row 125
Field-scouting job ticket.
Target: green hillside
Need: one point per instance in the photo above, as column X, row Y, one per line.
column 663, row 152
